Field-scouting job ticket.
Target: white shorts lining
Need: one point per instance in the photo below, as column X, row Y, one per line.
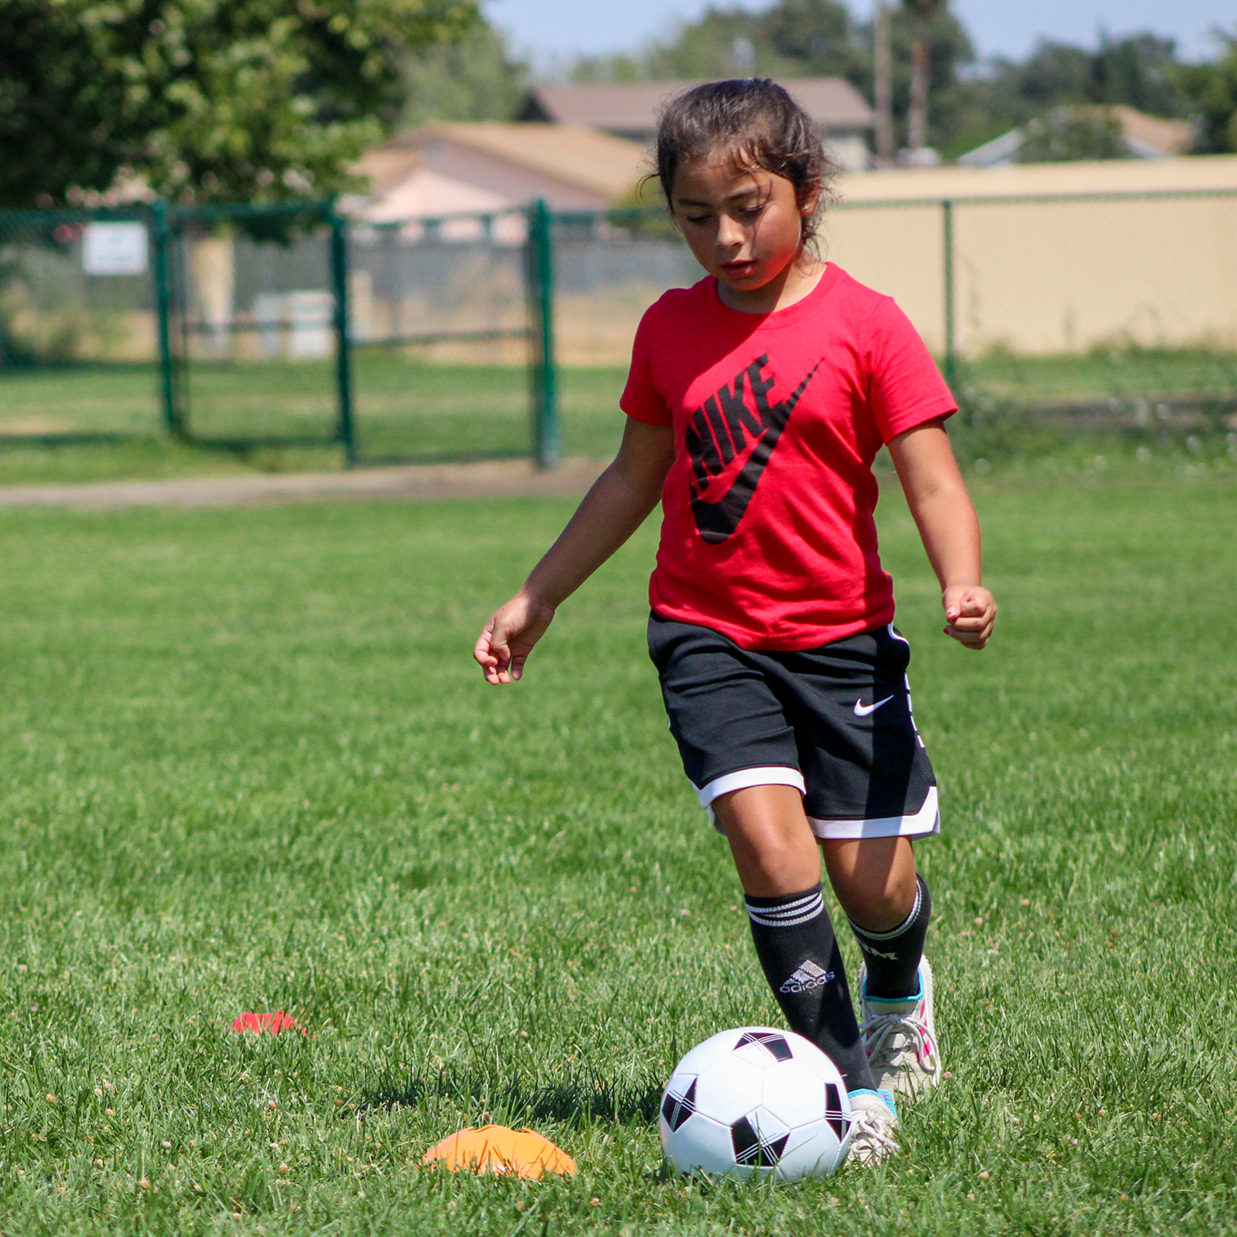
column 741, row 779
column 923, row 823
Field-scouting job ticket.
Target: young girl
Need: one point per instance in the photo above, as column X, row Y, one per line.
column 756, row 403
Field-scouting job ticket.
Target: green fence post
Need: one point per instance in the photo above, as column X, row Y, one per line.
column 547, row 443
column 951, row 355
column 162, row 238
column 344, row 431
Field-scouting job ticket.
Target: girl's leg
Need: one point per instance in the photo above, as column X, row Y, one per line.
column 888, row 907
column 774, row 849
column 778, row 862
column 874, row 879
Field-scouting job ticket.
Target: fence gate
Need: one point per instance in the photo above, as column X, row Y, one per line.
column 450, row 322
column 254, row 353
column 77, row 327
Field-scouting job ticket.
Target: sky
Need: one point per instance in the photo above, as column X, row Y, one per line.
column 553, row 31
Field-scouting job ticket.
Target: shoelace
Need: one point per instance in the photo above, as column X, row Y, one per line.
column 871, row 1136
column 886, row 1036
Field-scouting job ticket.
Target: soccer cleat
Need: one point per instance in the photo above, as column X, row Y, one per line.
column 900, row 1038
column 874, row 1118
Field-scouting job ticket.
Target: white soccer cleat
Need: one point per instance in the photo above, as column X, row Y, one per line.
column 900, row 1038
column 873, row 1120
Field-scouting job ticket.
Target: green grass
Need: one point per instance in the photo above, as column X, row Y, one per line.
column 1123, row 373
column 412, row 409
column 405, row 409
column 246, row 764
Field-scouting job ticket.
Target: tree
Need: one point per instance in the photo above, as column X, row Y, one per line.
column 793, row 38
column 201, row 100
column 714, row 46
column 1212, row 93
column 1139, row 70
column 922, row 12
column 949, row 50
column 472, row 78
column 1065, row 133
column 807, row 38
column 818, row 37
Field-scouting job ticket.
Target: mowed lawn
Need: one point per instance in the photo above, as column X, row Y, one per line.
column 409, row 409
column 246, row 764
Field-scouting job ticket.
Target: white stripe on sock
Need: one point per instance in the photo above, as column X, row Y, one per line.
column 801, row 910
column 906, row 923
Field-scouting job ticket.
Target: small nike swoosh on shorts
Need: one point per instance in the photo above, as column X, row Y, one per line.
column 862, row 710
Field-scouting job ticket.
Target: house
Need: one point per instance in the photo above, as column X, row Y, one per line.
column 629, row 110
column 1137, row 135
column 489, row 167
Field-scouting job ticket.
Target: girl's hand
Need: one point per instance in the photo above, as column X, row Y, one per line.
column 971, row 612
column 507, row 639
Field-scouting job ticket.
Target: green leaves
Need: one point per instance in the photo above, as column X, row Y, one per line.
column 1213, row 90
column 201, row 100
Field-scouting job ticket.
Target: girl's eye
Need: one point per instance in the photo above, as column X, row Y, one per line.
column 697, row 219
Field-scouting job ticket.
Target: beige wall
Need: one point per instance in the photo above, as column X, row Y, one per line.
column 1054, row 276
column 1051, row 276
column 1035, row 276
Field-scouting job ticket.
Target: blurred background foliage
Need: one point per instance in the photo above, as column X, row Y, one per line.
column 972, row 100
column 202, row 100
column 216, row 100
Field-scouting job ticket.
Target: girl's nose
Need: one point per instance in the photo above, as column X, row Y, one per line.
column 729, row 233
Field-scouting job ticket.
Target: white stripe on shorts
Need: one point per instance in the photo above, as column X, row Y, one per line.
column 741, row 779
column 922, row 823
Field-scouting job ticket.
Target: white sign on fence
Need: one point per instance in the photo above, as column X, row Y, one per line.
column 114, row 249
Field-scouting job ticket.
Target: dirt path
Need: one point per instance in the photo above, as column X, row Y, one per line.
column 506, row 478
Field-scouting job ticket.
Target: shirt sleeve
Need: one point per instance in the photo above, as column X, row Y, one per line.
column 640, row 398
column 905, row 388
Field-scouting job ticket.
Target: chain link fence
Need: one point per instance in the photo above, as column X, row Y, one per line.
column 78, row 342
column 505, row 335
column 255, row 349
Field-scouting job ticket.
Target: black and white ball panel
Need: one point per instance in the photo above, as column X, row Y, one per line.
column 755, row 1100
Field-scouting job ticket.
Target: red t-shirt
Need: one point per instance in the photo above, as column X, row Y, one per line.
column 768, row 534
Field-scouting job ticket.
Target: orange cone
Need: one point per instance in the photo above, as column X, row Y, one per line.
column 497, row 1149
column 274, row 1023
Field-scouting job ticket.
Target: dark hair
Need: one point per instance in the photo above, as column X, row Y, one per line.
column 759, row 124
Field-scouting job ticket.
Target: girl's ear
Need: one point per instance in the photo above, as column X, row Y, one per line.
column 809, row 202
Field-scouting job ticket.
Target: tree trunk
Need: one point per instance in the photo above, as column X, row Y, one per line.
column 883, row 58
column 917, row 118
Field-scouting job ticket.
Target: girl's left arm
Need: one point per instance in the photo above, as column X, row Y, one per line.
column 949, row 527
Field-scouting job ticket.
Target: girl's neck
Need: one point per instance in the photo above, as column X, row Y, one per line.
column 796, row 281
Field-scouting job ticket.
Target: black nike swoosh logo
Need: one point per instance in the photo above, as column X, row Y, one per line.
column 715, row 521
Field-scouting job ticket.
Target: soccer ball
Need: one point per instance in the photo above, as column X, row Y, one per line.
column 756, row 1101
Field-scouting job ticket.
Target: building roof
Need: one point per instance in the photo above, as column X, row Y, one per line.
column 573, row 154
column 832, row 103
column 1157, row 135
column 1144, row 136
column 1182, row 174
column 490, row 166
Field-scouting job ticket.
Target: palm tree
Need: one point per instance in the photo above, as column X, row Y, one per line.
column 883, row 86
column 922, row 11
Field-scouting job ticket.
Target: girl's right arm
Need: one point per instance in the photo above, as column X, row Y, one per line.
column 616, row 505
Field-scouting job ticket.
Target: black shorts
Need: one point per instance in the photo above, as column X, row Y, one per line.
column 835, row 722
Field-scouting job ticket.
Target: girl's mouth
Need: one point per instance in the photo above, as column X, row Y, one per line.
column 743, row 267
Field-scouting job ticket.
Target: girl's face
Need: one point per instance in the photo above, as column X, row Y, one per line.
column 743, row 226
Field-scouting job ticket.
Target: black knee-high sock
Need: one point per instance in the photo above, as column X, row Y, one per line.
column 892, row 957
column 801, row 960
